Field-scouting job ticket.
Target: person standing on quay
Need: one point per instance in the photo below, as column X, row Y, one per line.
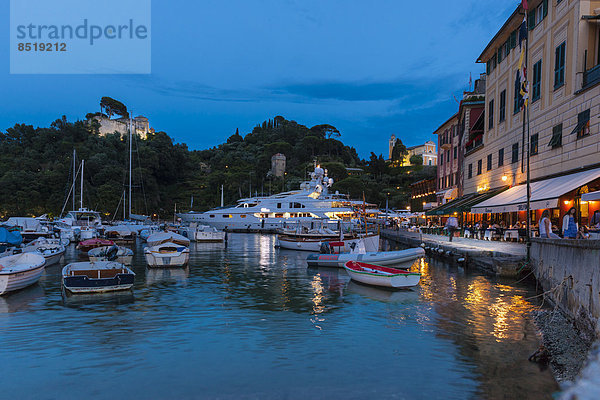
column 569, row 226
column 546, row 227
column 452, row 226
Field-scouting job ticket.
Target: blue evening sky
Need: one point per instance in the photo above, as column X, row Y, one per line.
column 370, row 68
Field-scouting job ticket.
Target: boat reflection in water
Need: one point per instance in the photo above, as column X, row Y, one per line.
column 164, row 275
column 407, row 296
column 95, row 300
column 21, row 300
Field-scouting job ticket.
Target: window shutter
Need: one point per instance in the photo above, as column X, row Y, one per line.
column 531, row 19
column 545, row 8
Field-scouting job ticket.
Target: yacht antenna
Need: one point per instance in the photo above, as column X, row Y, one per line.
column 74, row 177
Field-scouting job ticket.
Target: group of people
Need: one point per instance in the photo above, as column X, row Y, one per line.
column 570, row 227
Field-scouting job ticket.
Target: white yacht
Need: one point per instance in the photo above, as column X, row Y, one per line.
column 269, row 213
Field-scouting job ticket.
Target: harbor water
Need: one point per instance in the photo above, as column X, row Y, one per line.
column 252, row 321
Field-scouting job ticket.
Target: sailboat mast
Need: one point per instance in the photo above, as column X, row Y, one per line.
column 221, row 195
column 81, row 198
column 130, row 149
column 74, row 177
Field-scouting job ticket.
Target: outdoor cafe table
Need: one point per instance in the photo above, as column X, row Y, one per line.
column 511, row 234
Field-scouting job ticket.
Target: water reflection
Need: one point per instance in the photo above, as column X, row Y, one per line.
column 165, row 275
column 257, row 323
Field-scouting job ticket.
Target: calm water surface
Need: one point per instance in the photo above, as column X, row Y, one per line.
column 251, row 321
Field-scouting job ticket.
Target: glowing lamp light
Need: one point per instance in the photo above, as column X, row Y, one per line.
column 566, row 202
column 424, row 203
column 504, row 178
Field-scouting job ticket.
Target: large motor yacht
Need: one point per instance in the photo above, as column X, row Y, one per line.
column 269, row 213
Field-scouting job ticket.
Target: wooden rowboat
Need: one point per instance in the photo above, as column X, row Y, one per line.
column 377, row 275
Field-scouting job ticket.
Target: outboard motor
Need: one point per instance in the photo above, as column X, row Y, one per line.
column 112, row 253
column 325, row 248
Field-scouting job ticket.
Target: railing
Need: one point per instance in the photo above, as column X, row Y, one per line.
column 474, row 144
column 591, row 77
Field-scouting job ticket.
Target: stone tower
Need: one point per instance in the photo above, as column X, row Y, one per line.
column 278, row 165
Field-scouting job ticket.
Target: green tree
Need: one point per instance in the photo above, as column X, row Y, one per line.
column 399, row 152
column 416, row 159
column 113, row 107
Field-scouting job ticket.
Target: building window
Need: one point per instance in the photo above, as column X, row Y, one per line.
column 559, row 65
column 537, row 81
column 515, row 153
column 556, row 140
column 500, row 51
column 513, row 40
column 448, row 156
column 502, row 111
column 533, row 146
column 442, row 158
column 455, row 153
column 583, row 124
column 489, row 162
column 541, row 12
column 500, row 157
column 479, row 167
column 470, row 175
column 491, row 114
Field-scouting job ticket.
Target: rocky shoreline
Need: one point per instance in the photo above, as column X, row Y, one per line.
column 566, row 347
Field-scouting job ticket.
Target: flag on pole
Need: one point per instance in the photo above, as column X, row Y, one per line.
column 523, row 32
column 525, row 5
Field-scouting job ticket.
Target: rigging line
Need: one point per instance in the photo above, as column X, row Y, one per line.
column 72, row 186
column 118, row 206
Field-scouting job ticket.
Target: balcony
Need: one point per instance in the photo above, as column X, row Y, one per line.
column 591, row 77
column 474, row 144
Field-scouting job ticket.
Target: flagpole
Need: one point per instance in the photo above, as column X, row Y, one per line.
column 526, row 117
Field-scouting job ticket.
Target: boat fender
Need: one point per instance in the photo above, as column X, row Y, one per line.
column 460, row 260
column 422, row 244
column 448, row 254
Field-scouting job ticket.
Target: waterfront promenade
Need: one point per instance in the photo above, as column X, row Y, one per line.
column 493, row 257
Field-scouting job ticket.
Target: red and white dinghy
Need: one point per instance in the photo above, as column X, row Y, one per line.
column 377, row 275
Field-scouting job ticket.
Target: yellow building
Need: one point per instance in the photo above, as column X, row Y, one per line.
column 564, row 90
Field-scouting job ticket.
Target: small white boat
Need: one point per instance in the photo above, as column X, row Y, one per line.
column 51, row 249
column 167, row 237
column 20, row 270
column 167, row 255
column 93, row 277
column 120, row 234
column 377, row 275
column 120, row 254
column 202, row 233
column 370, row 243
column 404, row 257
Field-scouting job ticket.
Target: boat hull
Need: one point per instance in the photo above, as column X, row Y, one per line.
column 404, row 257
column 167, row 260
column 86, row 281
column 19, row 279
column 381, row 277
column 371, row 243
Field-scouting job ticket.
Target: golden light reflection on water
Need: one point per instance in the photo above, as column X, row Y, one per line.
column 317, row 300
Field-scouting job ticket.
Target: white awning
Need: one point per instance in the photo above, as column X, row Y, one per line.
column 594, row 196
column 544, row 194
column 451, row 193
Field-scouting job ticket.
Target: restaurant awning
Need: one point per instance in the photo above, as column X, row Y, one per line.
column 544, row 194
column 464, row 203
column 594, row 196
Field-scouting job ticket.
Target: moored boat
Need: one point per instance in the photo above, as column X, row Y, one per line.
column 120, row 254
column 202, row 233
column 101, row 276
column 89, row 244
column 166, row 237
column 378, row 275
column 51, row 249
column 20, row 270
column 370, row 242
column 404, row 257
column 167, row 254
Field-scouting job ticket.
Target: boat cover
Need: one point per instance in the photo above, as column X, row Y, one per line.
column 12, row 238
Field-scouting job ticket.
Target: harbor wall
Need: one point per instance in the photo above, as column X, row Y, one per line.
column 569, row 272
column 491, row 262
